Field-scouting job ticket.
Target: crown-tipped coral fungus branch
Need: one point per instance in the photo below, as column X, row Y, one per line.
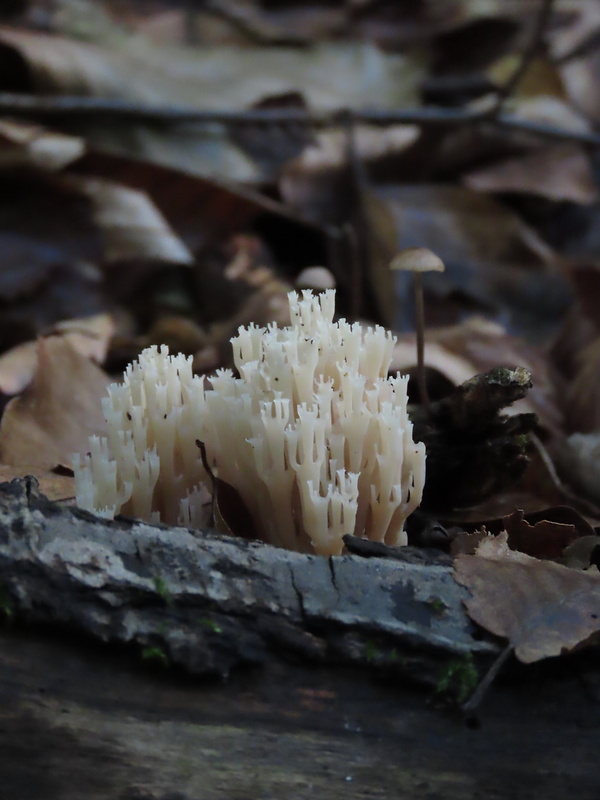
column 314, row 435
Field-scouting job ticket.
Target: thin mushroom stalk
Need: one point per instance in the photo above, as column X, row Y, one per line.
column 419, row 260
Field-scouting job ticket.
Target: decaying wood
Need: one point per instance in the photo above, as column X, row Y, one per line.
column 474, row 450
column 83, row 721
column 211, row 603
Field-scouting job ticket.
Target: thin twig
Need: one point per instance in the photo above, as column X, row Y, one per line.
column 73, row 106
column 578, row 502
column 355, row 270
column 81, row 105
column 475, row 700
column 529, row 54
column 357, row 226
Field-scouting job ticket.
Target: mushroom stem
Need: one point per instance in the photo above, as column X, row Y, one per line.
column 418, row 260
column 420, row 328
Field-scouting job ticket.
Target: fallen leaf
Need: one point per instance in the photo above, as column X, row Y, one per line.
column 579, row 25
column 554, row 112
column 25, row 144
column 200, row 210
column 467, row 542
column 88, row 336
column 17, row 367
column 579, row 462
column 43, row 225
column 329, row 150
column 457, row 352
column 582, row 553
column 133, row 228
column 57, row 413
column 453, row 367
column 580, row 76
column 228, row 513
column 473, row 521
column 545, row 539
column 541, row 78
column 56, row 487
column 582, row 391
column 559, row 172
column 565, row 515
column 330, row 75
column 543, row 608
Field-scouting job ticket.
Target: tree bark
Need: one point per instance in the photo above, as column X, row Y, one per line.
column 210, row 603
column 323, row 655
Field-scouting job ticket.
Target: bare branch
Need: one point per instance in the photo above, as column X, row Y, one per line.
column 59, row 107
column 530, row 53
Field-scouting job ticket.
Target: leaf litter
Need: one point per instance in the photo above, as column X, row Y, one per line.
column 544, row 609
column 119, row 232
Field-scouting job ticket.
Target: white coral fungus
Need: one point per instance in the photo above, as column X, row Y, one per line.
column 314, row 435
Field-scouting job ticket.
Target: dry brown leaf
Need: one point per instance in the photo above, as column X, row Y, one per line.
column 462, row 225
column 545, row 539
column 476, row 345
column 330, row 75
column 88, row 336
column 579, row 461
column 494, row 261
column 579, row 26
column 329, row 149
column 45, row 228
column 56, row 414
column 580, row 76
column 56, row 487
column 582, row 391
column 201, row 211
column 541, row 78
column 486, row 344
column 554, row 112
column 27, row 144
column 453, row 367
column 543, row 608
column 17, row 367
column 558, row 172
column 467, row 542
column 132, row 225
column 180, row 334
column 582, row 553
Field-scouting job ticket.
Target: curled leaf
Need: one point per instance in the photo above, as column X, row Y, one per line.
column 543, row 608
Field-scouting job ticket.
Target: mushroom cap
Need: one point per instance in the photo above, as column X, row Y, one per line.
column 417, row 259
column 317, row 278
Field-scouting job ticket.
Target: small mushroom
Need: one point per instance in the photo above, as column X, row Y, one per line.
column 418, row 260
column 316, row 278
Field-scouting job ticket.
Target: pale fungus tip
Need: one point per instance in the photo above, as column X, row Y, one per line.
column 417, row 259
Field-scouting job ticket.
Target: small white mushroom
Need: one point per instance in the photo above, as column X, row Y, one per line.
column 418, row 260
column 316, row 278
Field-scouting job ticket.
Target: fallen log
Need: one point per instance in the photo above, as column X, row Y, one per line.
column 210, row 603
column 80, row 720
